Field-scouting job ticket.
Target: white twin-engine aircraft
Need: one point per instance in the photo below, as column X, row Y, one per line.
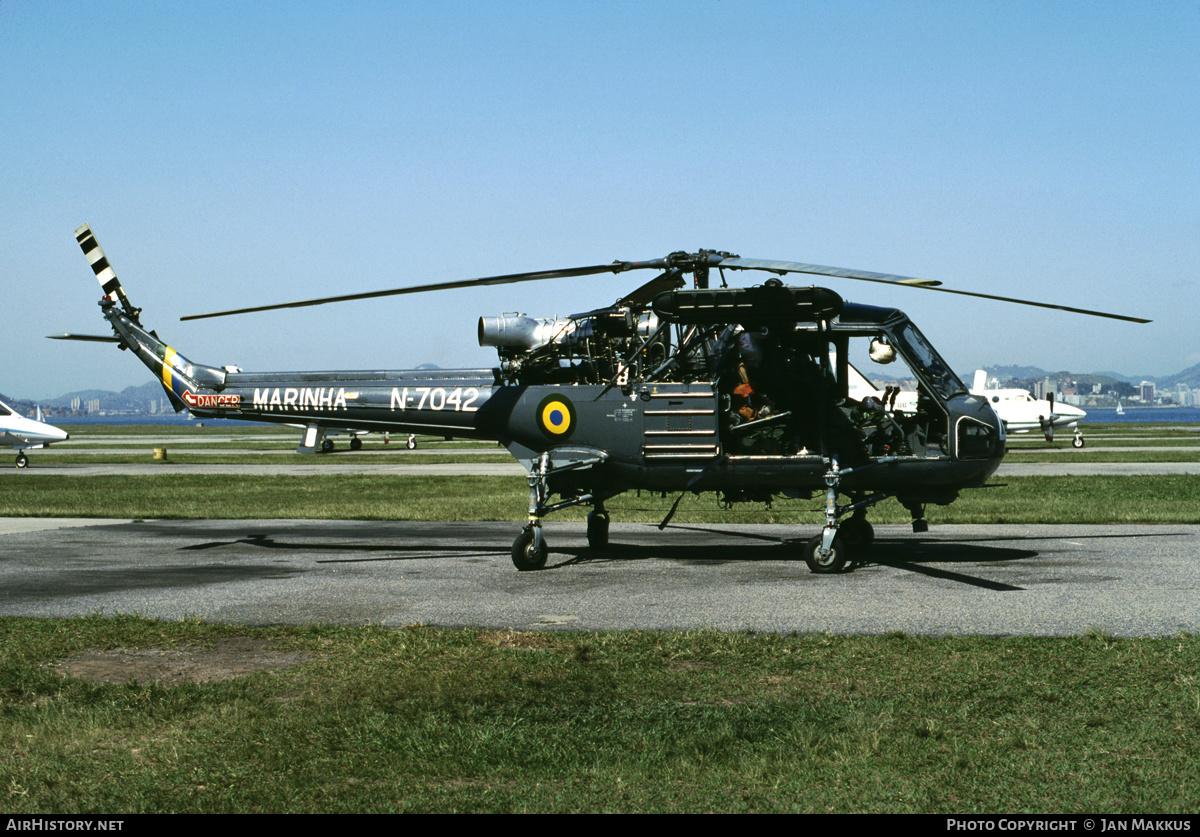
column 1022, row 413
column 22, row 434
column 1018, row 410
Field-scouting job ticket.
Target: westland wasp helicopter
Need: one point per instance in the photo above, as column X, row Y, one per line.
column 738, row 391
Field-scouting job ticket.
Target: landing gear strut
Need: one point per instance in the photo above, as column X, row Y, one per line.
column 832, row 550
column 529, row 549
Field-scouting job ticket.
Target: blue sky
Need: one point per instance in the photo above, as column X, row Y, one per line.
column 231, row 154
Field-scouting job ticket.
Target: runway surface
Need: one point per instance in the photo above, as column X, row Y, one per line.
column 990, row 580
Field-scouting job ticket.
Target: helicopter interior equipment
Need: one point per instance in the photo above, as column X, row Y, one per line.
column 740, row 391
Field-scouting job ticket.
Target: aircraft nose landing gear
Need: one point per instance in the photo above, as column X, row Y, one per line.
column 826, row 560
column 529, row 549
column 832, row 550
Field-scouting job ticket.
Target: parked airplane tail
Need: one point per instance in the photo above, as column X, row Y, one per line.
column 181, row 378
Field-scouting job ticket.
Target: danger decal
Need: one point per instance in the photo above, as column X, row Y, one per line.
column 212, row 402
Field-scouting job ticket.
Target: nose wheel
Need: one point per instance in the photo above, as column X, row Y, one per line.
column 529, row 549
column 832, row 560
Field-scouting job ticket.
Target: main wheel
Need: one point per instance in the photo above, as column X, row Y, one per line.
column 327, row 445
column 22, row 460
column 858, row 533
column 356, row 443
column 597, row 530
column 834, row 562
column 524, row 555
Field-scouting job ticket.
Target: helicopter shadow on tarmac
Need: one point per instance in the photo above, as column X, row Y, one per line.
column 930, row 557
column 388, row 551
column 909, row 554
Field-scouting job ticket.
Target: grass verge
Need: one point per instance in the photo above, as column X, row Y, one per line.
column 1099, row 499
column 428, row 720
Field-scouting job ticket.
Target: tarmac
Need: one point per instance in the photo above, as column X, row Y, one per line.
column 1038, row 580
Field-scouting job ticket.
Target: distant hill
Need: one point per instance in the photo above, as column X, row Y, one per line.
column 1020, row 373
column 1190, row 376
column 19, row 404
column 1034, row 373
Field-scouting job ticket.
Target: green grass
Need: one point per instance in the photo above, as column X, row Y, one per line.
column 1107, row 499
column 1131, row 455
column 425, row 720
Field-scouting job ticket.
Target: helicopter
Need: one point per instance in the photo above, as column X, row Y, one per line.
column 740, row 391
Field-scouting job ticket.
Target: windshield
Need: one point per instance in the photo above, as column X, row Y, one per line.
column 927, row 363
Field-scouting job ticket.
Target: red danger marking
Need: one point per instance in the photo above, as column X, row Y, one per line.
column 224, row 402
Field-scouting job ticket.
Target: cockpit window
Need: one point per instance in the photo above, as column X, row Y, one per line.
column 930, row 366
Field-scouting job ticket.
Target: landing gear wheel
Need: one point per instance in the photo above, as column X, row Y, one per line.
column 834, row 562
column 326, row 445
column 411, row 444
column 597, row 530
column 524, row 555
column 858, row 534
column 22, row 460
column 356, row 443
column 1077, row 442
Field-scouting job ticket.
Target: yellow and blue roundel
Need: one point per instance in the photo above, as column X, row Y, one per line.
column 556, row 416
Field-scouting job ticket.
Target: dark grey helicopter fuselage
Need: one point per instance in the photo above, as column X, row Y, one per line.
column 656, row 435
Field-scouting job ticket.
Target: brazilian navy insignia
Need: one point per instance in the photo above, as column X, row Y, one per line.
column 556, row 416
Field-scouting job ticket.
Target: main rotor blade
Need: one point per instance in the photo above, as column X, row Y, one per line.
column 892, row 279
column 1087, row 311
column 821, row 270
column 615, row 267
